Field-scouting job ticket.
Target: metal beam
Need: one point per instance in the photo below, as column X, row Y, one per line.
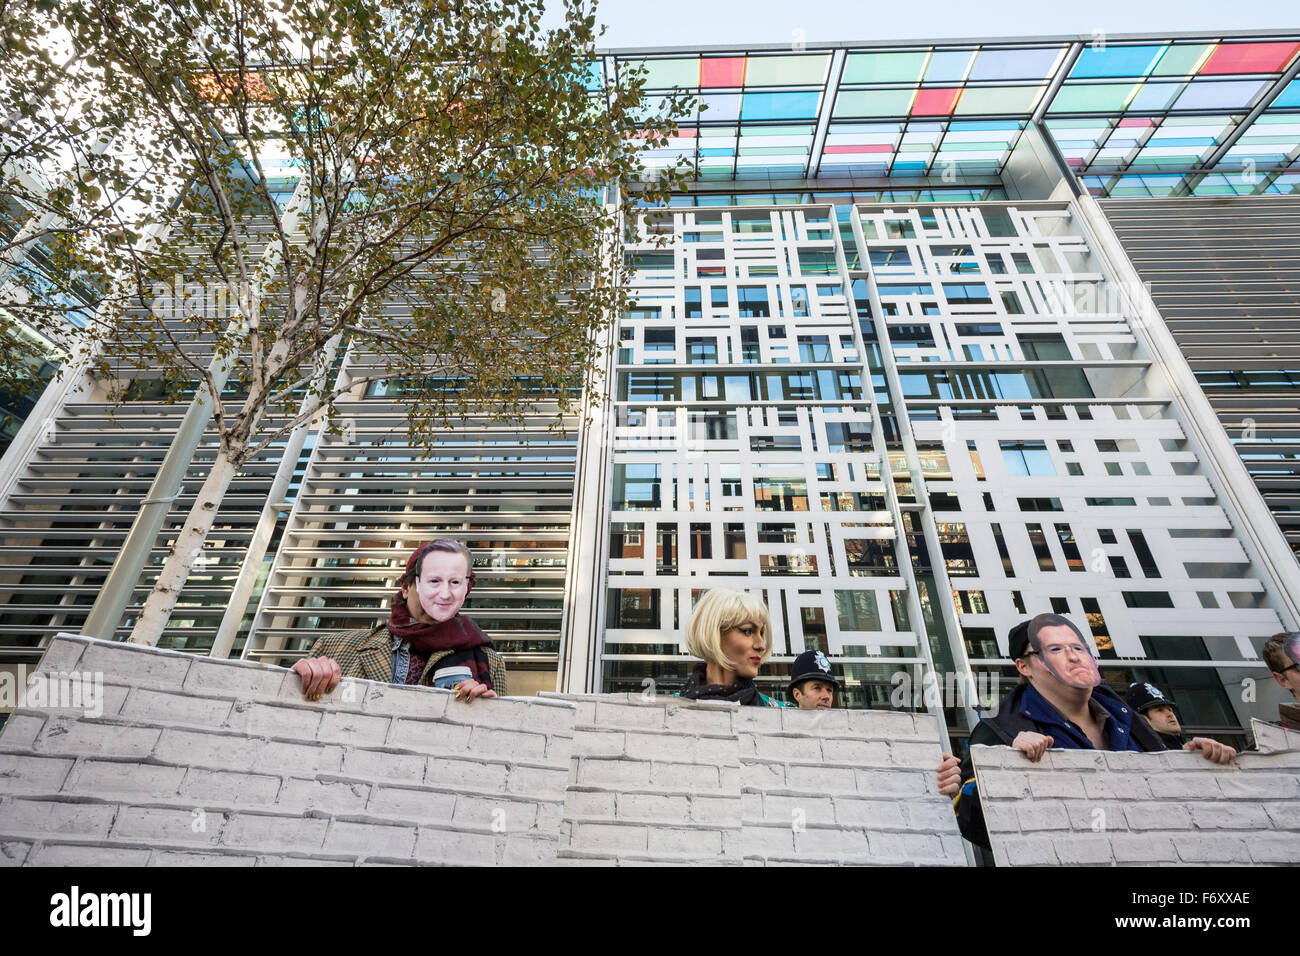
column 814, row 165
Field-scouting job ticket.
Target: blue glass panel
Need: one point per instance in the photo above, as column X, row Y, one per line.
column 946, row 67
column 1115, row 61
column 776, row 106
column 1289, row 97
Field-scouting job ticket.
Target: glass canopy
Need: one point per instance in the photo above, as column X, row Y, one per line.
column 1188, row 114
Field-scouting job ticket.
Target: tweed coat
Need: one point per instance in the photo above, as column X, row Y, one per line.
column 368, row 653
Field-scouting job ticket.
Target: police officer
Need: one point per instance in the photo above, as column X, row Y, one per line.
column 1159, row 710
column 812, row 682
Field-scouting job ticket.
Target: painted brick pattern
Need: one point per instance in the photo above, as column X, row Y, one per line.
column 1085, row 808
column 195, row 761
column 661, row 780
column 843, row 787
column 653, row 780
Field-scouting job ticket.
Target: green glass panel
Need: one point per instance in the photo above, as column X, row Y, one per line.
column 786, row 70
column 664, row 74
column 873, row 103
column 1180, row 60
column 883, row 67
column 772, row 151
column 1093, row 97
column 711, row 132
column 998, row 99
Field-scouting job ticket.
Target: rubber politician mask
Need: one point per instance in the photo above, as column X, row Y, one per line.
column 1064, row 651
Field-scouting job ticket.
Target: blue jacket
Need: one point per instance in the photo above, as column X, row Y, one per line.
column 1026, row 709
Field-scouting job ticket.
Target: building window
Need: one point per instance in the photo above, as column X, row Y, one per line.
column 1027, row 458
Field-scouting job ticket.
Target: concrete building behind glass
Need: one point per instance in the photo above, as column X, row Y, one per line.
column 896, row 368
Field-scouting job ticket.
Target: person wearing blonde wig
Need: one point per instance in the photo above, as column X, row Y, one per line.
column 729, row 631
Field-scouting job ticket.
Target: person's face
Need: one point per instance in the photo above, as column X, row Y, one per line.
column 440, row 590
column 1071, row 661
column 744, row 647
column 1163, row 719
column 814, row 694
column 1290, row 679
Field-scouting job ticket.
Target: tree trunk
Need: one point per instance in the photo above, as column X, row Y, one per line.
column 189, row 543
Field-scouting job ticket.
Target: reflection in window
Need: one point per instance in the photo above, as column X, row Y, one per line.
column 636, row 487
column 857, row 610
column 1027, row 459
column 781, row 493
column 625, row 540
column 633, row 608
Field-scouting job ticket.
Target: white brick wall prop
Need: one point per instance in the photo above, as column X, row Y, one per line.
column 1091, row 808
column 654, row 780
column 843, row 787
column 657, row 779
column 183, row 760
column 197, row 761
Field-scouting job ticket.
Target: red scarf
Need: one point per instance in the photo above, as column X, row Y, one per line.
column 455, row 634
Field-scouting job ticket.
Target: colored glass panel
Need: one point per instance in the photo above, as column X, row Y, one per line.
column 884, row 67
column 1209, row 94
column 873, row 103
column 787, row 70
column 1249, row 58
column 592, row 74
column 999, row 99
column 1014, row 64
column 939, row 102
column 1108, row 61
column 852, row 148
column 720, row 106
column 1182, row 59
column 716, row 71
column 1271, row 141
column 777, row 106
column 1155, row 96
column 1092, row 98
column 947, row 66
column 666, row 74
column 1288, row 98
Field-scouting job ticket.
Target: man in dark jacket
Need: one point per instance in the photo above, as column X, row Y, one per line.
column 1160, row 712
column 1060, row 702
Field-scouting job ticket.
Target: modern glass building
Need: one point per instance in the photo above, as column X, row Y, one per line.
column 942, row 336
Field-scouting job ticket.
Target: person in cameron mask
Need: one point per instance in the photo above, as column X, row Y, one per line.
column 1060, row 702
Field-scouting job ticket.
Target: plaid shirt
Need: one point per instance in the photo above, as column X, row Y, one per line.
column 368, row 654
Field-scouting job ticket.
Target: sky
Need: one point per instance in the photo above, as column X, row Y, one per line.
column 665, row 23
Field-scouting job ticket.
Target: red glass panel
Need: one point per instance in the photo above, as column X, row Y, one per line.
column 722, row 71
column 1249, row 58
column 935, row 102
column 861, row 148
